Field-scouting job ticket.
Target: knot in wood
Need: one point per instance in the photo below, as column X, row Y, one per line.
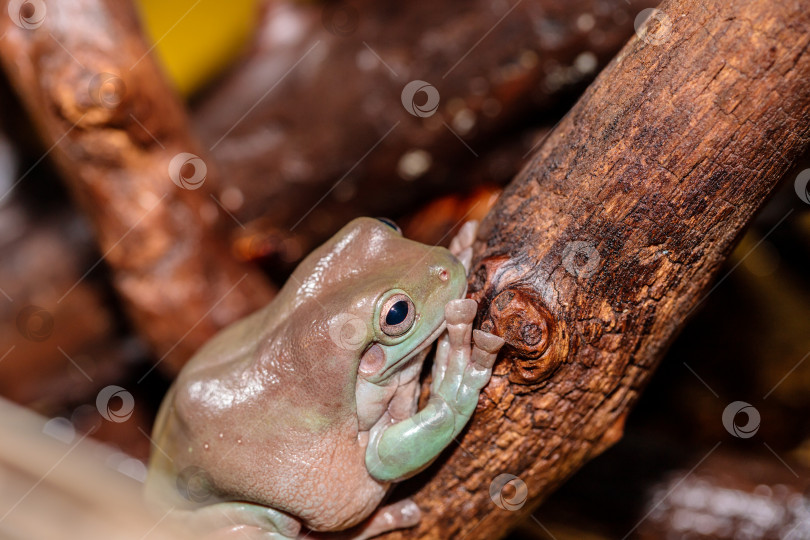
column 516, row 319
column 517, row 315
column 95, row 98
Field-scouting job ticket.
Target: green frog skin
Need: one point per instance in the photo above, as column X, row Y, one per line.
column 305, row 412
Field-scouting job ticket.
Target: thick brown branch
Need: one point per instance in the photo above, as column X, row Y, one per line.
column 601, row 248
column 114, row 125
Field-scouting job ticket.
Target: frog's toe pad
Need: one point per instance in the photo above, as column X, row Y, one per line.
column 399, row 515
column 486, row 349
column 460, row 311
column 487, row 342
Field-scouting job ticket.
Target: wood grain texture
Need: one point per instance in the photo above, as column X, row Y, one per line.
column 611, row 236
column 113, row 124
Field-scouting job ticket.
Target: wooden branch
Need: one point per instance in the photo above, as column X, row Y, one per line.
column 86, row 78
column 601, row 248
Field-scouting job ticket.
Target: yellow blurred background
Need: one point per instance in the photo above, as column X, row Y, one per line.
column 196, row 39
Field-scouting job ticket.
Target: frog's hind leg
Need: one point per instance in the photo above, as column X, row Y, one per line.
column 243, row 520
column 398, row 515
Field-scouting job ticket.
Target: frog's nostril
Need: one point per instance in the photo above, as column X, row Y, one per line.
column 443, row 274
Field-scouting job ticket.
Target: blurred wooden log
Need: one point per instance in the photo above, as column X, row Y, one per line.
column 58, row 485
column 597, row 253
column 435, row 223
column 438, row 222
column 312, row 129
column 730, row 496
column 646, row 488
column 87, row 80
column 52, row 354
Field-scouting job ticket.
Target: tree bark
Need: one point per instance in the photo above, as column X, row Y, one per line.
column 114, row 126
column 599, row 250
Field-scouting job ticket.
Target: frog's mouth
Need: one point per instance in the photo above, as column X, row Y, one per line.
column 425, row 343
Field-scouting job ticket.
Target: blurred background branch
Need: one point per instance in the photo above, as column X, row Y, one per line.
column 121, row 140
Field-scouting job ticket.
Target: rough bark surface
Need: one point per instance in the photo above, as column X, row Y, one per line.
column 113, row 126
column 603, row 245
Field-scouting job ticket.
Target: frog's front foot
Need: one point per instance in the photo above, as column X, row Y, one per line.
column 462, row 367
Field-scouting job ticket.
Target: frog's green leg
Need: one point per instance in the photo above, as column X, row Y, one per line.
column 401, row 449
column 242, row 520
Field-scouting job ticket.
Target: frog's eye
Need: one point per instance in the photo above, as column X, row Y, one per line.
column 390, row 223
column 397, row 315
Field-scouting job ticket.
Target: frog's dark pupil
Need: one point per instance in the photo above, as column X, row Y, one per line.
column 397, row 313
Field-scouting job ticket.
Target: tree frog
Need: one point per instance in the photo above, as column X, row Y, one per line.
column 304, row 413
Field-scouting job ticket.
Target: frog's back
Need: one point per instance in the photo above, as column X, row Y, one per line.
column 258, row 420
column 267, row 409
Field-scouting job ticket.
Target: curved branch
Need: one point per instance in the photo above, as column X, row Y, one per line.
column 114, row 125
column 599, row 250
